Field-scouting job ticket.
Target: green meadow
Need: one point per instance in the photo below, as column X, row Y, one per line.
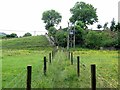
column 60, row 73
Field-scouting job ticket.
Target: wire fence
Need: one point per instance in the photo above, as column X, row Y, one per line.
column 61, row 55
column 101, row 80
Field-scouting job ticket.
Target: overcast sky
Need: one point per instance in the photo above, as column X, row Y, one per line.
column 21, row 16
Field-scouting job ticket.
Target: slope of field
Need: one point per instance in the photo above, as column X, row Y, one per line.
column 20, row 52
column 25, row 42
column 60, row 73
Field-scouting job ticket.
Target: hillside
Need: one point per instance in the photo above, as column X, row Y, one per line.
column 25, row 42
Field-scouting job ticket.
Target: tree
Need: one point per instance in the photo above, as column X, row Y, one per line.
column 99, row 26
column 112, row 27
column 83, row 12
column 117, row 27
column 13, row 35
column 61, row 38
column 51, row 18
column 27, row 34
column 105, row 26
column 52, row 31
column 79, row 33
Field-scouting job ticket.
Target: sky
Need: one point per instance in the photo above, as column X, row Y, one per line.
column 21, row 16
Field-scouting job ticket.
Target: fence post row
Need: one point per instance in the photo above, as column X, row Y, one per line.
column 71, row 58
column 78, row 66
column 93, row 77
column 45, row 66
column 50, row 57
column 29, row 73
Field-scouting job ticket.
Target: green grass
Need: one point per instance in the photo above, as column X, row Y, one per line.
column 20, row 52
column 34, row 42
column 15, row 62
column 60, row 73
column 106, row 63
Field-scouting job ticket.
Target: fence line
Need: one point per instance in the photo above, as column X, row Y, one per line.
column 19, row 81
column 15, row 78
column 59, row 59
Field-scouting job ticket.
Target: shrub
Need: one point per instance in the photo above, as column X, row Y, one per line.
column 13, row 35
column 93, row 39
column 27, row 34
column 61, row 38
column 100, row 39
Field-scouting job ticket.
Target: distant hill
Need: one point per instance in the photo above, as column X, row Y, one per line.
column 2, row 34
column 25, row 42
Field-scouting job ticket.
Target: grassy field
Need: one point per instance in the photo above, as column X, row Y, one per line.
column 60, row 73
column 32, row 42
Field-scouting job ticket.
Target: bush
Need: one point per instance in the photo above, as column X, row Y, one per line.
column 13, row 35
column 99, row 39
column 27, row 34
column 79, row 35
column 61, row 38
column 52, row 31
column 93, row 40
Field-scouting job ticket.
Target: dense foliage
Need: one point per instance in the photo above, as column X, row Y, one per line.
column 51, row 18
column 27, row 34
column 82, row 15
column 12, row 35
column 83, row 12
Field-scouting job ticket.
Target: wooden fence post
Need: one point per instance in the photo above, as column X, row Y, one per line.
column 78, row 66
column 45, row 66
column 29, row 73
column 52, row 54
column 71, row 58
column 69, row 55
column 50, row 57
column 93, row 77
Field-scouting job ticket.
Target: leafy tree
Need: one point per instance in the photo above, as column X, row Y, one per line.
column 61, row 38
column 83, row 12
column 105, row 26
column 117, row 27
column 79, row 33
column 27, row 34
column 81, row 24
column 51, row 18
column 112, row 27
column 99, row 26
column 13, row 35
column 52, row 31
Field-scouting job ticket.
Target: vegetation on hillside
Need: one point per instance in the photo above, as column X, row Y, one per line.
column 25, row 42
column 83, row 15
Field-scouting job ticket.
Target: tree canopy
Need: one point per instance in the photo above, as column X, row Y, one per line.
column 51, row 18
column 83, row 12
column 99, row 26
column 112, row 27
